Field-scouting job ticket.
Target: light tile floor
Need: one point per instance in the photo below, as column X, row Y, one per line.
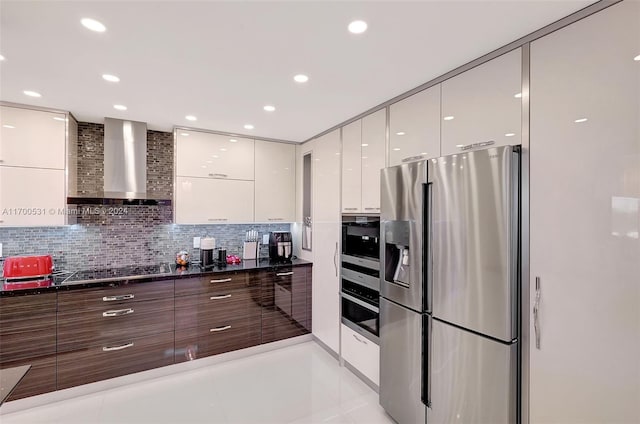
column 297, row 384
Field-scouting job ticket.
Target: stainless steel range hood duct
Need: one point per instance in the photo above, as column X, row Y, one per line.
column 125, row 159
column 125, row 166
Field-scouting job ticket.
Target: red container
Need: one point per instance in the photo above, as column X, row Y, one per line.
column 27, row 266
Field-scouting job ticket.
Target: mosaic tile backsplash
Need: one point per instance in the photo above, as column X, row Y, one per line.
column 138, row 235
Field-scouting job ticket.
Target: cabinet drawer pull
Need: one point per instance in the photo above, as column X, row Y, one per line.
column 412, row 158
column 350, row 209
column 359, row 339
column 218, row 175
column 275, row 219
column 217, row 219
column 371, row 209
column 284, row 274
column 120, row 297
column 224, row 296
column 110, row 348
column 215, row 330
column 223, row 280
column 117, row 312
column 474, row 145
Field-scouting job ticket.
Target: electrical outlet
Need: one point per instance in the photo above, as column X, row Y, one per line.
column 265, row 239
column 196, row 242
column 0, row 250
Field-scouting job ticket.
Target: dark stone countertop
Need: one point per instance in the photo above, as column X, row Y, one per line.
column 97, row 278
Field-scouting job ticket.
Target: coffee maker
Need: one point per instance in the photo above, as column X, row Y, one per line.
column 280, row 246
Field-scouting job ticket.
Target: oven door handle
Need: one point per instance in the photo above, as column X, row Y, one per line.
column 361, row 303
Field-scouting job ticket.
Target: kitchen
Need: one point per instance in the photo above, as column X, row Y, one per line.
column 285, row 225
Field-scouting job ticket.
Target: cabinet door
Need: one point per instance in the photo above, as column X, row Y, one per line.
column 414, row 127
column 210, row 201
column 202, row 154
column 32, row 138
column 483, row 105
column 275, row 181
column 374, row 129
column 283, row 303
column 585, row 203
column 352, row 167
column 326, row 236
column 31, row 196
column 361, row 353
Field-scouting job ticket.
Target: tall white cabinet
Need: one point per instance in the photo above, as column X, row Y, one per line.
column 326, row 239
column 32, row 167
column 585, row 219
column 275, row 170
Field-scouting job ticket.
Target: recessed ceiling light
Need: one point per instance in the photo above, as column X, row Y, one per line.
column 517, row 95
column 509, row 134
column 301, row 78
column 448, row 118
column 365, row 157
column 400, row 133
column 215, row 156
column 396, row 148
column 184, row 134
column 93, row 25
column 203, row 166
column 2, row 57
column 248, row 127
column 110, row 78
column 364, row 144
column 337, row 153
column 120, row 107
column 32, row 93
column 459, row 145
column 424, row 153
column 233, row 140
column 637, row 58
column 57, row 118
column 357, row 27
column 578, row 121
column 269, row 108
column 190, row 118
column 8, row 126
column 222, row 149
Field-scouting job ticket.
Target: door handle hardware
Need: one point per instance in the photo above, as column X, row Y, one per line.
column 284, row 274
column 480, row 144
column 359, row 339
column 224, row 296
column 215, row 330
column 111, row 348
column 117, row 312
column 120, row 297
column 222, row 280
column 536, row 313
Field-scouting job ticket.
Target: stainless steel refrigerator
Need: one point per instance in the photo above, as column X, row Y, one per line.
column 449, row 307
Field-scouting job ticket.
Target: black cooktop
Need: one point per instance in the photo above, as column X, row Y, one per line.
column 119, row 273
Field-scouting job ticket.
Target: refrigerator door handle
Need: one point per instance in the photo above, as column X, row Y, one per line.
column 427, row 246
column 536, row 313
column 426, row 361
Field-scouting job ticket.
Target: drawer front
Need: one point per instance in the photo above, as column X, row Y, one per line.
column 125, row 357
column 362, row 353
column 111, row 323
column 211, row 308
column 114, row 296
column 214, row 283
column 226, row 336
column 41, row 377
column 27, row 326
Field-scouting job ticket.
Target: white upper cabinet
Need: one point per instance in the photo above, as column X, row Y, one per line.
column 31, row 196
column 414, row 127
column 363, row 156
column 352, row 167
column 585, row 220
column 275, row 181
column 213, row 201
column 32, row 138
column 203, row 154
column 482, row 106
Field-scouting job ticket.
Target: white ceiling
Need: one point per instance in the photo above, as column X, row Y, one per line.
column 223, row 61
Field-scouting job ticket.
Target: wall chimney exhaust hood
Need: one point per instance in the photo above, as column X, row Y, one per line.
column 125, row 166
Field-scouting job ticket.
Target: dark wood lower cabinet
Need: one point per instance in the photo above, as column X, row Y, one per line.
column 128, row 356
column 220, row 337
column 284, row 303
column 84, row 335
